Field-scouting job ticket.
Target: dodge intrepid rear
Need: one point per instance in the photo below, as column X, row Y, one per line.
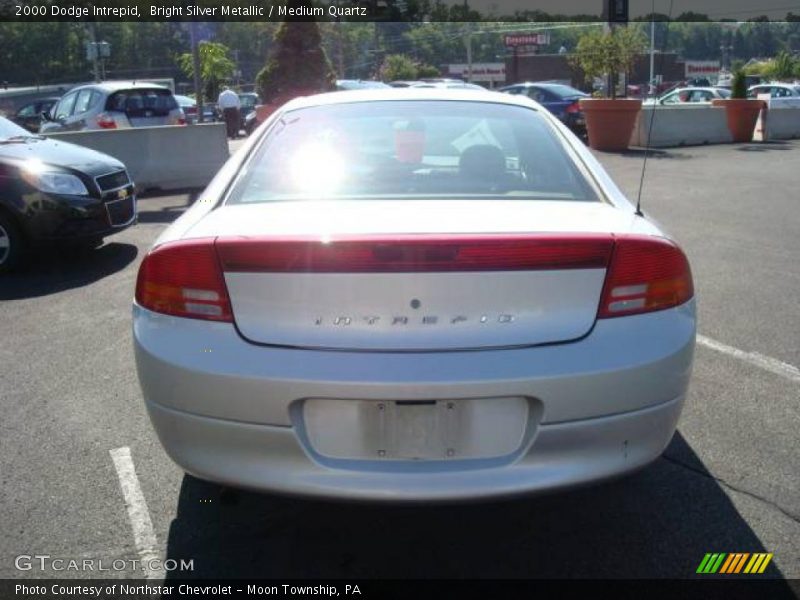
column 413, row 295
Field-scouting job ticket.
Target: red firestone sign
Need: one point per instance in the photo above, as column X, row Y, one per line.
column 526, row 39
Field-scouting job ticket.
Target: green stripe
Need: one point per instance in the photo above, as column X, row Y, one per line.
column 711, row 562
column 701, row 568
column 718, row 564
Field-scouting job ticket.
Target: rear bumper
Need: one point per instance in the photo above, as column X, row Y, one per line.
column 576, row 122
column 230, row 411
column 269, row 458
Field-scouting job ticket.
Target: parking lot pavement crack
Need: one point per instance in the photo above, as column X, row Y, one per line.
column 794, row 517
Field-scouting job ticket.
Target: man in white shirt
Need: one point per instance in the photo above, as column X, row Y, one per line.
column 230, row 106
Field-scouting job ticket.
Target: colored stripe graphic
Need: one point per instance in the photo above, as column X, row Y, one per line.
column 733, row 563
column 758, row 563
column 718, row 563
column 703, row 563
column 765, row 563
column 711, row 563
column 729, row 562
column 741, row 562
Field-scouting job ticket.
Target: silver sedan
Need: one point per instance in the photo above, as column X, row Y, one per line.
column 409, row 295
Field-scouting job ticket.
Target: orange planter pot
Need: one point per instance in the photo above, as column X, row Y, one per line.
column 741, row 114
column 610, row 123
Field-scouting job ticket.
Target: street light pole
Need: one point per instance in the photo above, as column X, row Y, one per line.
column 93, row 51
column 468, row 42
column 651, row 87
column 198, row 91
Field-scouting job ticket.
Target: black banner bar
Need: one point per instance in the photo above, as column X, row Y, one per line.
column 128, row 589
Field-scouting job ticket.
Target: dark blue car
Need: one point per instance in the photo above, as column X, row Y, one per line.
column 559, row 99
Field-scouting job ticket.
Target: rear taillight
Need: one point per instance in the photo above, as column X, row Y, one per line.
column 573, row 108
column 645, row 274
column 106, row 121
column 184, row 279
column 415, row 253
column 180, row 121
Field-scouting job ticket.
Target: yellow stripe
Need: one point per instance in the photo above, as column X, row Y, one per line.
column 741, row 562
column 750, row 564
column 754, row 568
column 765, row 563
column 727, row 563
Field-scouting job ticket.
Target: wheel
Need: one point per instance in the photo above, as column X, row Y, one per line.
column 11, row 244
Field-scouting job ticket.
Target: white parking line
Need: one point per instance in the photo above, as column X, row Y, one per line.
column 143, row 533
column 773, row 365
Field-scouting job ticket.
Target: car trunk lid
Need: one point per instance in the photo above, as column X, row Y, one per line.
column 400, row 276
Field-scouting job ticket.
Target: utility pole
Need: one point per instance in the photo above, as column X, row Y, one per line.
column 468, row 42
column 92, row 52
column 339, row 48
column 651, row 88
column 198, row 90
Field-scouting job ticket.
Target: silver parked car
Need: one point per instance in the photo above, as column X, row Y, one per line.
column 691, row 95
column 413, row 294
column 114, row 105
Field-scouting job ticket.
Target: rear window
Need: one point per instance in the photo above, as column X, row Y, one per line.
column 142, row 102
column 413, row 150
column 247, row 101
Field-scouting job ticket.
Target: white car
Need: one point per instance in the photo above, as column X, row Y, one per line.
column 691, row 95
column 410, row 295
column 448, row 85
column 782, row 95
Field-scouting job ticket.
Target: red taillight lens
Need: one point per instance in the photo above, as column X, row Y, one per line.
column 184, row 279
column 645, row 274
column 415, row 253
column 180, row 121
column 106, row 121
column 573, row 108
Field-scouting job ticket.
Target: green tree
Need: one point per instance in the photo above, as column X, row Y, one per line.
column 397, row 66
column 297, row 63
column 739, row 85
column 600, row 53
column 424, row 71
column 783, row 66
column 216, row 66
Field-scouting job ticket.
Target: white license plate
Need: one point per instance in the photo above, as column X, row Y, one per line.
column 416, row 430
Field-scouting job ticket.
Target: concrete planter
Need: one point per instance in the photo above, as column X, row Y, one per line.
column 610, row 123
column 741, row 114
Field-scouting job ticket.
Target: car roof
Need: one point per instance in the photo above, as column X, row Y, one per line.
column 409, row 94
column 690, row 88
column 115, row 86
column 544, row 84
column 775, row 84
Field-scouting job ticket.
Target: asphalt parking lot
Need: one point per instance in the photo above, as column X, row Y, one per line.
column 729, row 481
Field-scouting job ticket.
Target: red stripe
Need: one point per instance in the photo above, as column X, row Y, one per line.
column 415, row 253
